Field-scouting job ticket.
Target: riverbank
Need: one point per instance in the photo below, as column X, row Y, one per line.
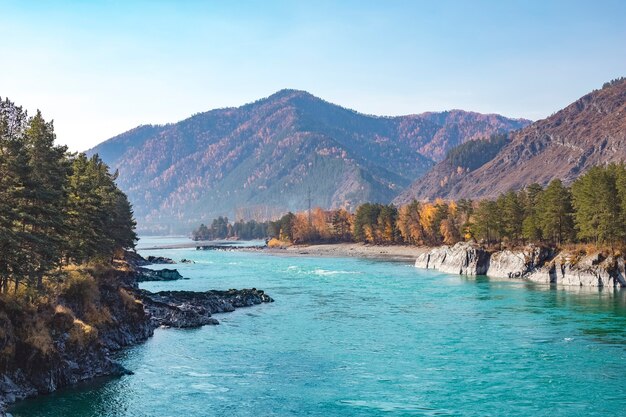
column 543, row 265
column 574, row 266
column 403, row 253
column 70, row 336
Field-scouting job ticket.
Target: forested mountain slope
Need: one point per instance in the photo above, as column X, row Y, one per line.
column 588, row 132
column 459, row 162
column 261, row 159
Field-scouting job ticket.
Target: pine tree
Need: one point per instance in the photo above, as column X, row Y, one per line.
column 53, row 206
column 529, row 198
column 341, row 225
column 49, row 169
column 365, row 220
column 555, row 213
column 14, row 173
column 386, row 224
column 487, row 221
column 598, row 201
column 512, row 214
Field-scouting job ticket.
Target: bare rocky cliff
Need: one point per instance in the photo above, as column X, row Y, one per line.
column 533, row 263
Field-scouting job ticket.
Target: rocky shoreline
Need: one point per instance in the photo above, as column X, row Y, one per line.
column 534, row 263
column 134, row 314
column 188, row 309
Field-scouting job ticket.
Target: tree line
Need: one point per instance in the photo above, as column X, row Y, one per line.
column 591, row 210
column 56, row 207
column 221, row 228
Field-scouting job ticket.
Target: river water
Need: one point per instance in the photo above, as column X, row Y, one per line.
column 350, row 337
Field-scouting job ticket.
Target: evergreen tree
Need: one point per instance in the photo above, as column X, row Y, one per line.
column 487, row 221
column 598, row 201
column 531, row 225
column 555, row 213
column 44, row 211
column 386, row 231
column 53, row 206
column 14, row 173
column 341, row 225
column 365, row 220
column 286, row 227
column 512, row 215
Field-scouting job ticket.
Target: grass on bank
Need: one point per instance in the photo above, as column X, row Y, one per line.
column 67, row 314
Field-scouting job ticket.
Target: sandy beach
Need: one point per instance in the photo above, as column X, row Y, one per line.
column 357, row 250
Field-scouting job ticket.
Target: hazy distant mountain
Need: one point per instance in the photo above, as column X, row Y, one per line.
column 588, row 132
column 262, row 158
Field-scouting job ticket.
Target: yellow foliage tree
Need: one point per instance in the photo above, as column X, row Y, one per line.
column 409, row 223
column 300, row 228
column 320, row 222
column 449, row 231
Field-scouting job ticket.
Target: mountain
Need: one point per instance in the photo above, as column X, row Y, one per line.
column 459, row 162
column 588, row 132
column 261, row 159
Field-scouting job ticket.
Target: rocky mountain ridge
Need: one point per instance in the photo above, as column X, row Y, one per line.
column 591, row 131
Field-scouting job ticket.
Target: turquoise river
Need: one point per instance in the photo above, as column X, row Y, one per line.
column 351, row 337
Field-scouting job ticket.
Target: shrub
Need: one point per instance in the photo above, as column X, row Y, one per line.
column 81, row 334
column 37, row 335
column 63, row 318
column 275, row 243
column 81, row 289
column 98, row 316
column 130, row 302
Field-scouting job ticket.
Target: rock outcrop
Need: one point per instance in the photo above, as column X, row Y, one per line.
column 534, row 263
column 193, row 309
column 519, row 263
column 70, row 346
column 156, row 260
column 584, row 271
column 463, row 258
column 145, row 274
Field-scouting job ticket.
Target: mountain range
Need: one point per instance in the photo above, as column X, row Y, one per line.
column 591, row 131
column 264, row 158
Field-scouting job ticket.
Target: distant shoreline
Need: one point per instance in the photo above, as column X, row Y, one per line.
column 404, row 253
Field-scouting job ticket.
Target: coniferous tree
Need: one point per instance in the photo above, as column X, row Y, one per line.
column 555, row 213
column 45, row 214
column 512, row 215
column 53, row 206
column 14, row 172
column 341, row 225
column 597, row 199
column 487, row 221
column 531, row 225
column 386, row 231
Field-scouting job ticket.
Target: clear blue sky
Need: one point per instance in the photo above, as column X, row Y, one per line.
column 99, row 68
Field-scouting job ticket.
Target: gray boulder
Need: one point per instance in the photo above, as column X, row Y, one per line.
column 464, row 258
